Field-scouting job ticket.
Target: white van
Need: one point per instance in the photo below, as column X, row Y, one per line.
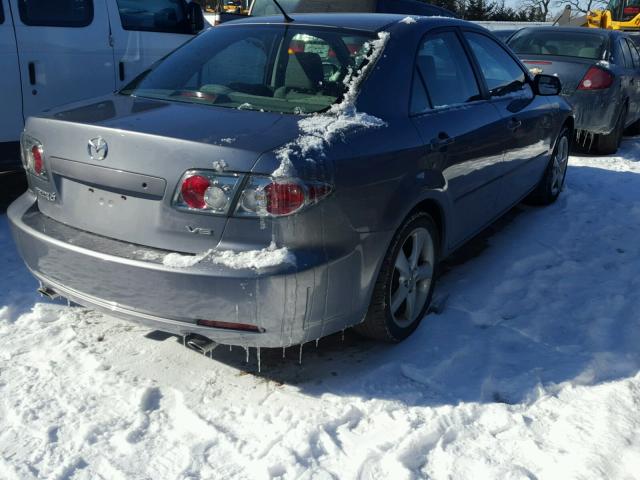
column 58, row 51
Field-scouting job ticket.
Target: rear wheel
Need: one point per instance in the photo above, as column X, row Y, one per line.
column 404, row 288
column 608, row 144
column 552, row 182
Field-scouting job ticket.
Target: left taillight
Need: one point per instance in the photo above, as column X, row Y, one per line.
column 32, row 153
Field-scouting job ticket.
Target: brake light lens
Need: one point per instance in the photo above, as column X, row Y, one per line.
column 268, row 197
column 230, row 326
column 284, row 198
column 193, row 191
column 596, row 79
column 33, row 156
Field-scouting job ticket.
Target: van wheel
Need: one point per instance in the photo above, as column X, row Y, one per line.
column 608, row 144
column 403, row 291
column 552, row 182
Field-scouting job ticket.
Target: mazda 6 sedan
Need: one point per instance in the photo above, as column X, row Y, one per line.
column 275, row 181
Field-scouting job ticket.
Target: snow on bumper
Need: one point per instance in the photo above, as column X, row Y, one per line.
column 290, row 304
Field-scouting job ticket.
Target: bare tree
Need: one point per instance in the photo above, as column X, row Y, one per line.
column 542, row 6
column 582, row 6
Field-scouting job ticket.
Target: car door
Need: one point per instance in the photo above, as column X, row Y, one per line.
column 456, row 122
column 526, row 118
column 64, row 51
column 144, row 31
column 11, row 120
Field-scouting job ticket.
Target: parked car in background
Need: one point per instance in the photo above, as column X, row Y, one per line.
column 505, row 34
column 54, row 52
column 407, row 7
column 240, row 191
column 600, row 74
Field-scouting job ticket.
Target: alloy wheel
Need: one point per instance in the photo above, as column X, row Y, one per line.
column 412, row 277
column 559, row 168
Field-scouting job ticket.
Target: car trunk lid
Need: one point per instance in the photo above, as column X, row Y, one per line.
column 127, row 195
column 570, row 70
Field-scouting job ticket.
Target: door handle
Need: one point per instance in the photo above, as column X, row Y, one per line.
column 32, row 73
column 442, row 140
column 514, row 124
column 121, row 71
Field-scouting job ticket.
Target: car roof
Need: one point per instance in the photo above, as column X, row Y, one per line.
column 372, row 22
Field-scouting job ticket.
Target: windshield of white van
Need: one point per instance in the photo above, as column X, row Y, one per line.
column 285, row 69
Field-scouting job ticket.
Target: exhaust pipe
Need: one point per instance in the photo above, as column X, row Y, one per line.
column 200, row 344
column 48, row 292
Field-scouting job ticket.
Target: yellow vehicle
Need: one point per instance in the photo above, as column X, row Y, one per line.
column 619, row 15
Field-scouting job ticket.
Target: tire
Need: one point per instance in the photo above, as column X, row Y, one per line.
column 392, row 314
column 552, row 182
column 608, row 144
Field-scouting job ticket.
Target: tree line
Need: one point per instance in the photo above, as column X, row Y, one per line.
column 527, row 10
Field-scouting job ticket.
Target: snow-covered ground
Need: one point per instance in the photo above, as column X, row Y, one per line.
column 531, row 371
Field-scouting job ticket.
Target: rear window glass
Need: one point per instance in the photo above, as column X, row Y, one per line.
column 267, row 7
column 59, row 13
column 268, row 68
column 167, row 16
column 560, row 43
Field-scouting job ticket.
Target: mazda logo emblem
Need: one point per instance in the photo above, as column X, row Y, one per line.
column 97, row 148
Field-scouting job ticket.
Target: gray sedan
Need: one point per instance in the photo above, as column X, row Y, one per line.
column 272, row 182
column 600, row 74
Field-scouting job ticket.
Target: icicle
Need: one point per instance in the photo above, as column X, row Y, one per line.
column 300, row 357
column 283, row 354
column 317, row 342
column 246, row 349
column 259, row 365
column 230, row 347
column 184, row 340
column 68, row 303
column 343, row 335
column 263, row 223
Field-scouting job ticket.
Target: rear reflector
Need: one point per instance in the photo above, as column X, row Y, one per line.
column 230, row 326
column 596, row 79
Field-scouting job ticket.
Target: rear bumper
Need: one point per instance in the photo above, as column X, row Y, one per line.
column 594, row 111
column 290, row 304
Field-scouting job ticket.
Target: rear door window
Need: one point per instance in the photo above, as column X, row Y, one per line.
column 501, row 72
column 59, row 13
column 445, row 69
column 167, row 16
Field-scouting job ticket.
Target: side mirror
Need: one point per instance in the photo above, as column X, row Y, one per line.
column 547, row 85
column 195, row 17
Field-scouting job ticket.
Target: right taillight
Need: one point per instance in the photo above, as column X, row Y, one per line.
column 265, row 196
column 206, row 191
column 596, row 79
column 33, row 156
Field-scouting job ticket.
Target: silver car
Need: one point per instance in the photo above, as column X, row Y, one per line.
column 273, row 182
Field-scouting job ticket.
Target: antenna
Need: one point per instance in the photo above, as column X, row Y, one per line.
column 287, row 18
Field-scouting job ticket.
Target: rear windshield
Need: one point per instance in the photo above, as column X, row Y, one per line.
column 283, row 69
column 564, row 44
column 267, row 7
